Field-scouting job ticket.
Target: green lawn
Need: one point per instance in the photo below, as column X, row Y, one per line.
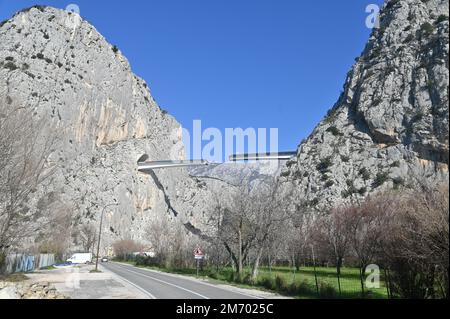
column 349, row 279
column 326, row 276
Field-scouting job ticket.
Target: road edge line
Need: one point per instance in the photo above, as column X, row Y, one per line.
column 168, row 283
column 194, row 280
column 133, row 284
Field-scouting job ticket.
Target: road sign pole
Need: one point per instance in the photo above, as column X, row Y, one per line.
column 197, row 266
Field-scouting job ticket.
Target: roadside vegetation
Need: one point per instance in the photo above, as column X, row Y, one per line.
column 283, row 280
column 261, row 238
column 392, row 245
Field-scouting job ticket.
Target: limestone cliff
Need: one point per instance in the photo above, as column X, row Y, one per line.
column 59, row 66
column 390, row 124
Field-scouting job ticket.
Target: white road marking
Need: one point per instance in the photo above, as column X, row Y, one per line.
column 136, row 286
column 199, row 282
column 164, row 282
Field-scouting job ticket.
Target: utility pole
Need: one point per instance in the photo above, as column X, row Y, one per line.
column 100, row 234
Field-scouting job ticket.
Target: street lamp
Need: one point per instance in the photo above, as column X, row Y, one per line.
column 100, row 233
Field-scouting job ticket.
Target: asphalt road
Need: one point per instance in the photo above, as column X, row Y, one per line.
column 166, row 286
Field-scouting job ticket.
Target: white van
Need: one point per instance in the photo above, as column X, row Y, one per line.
column 81, row 258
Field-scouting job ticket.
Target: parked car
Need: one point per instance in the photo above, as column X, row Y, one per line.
column 80, row 258
column 104, row 259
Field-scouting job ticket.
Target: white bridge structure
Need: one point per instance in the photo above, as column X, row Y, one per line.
column 145, row 166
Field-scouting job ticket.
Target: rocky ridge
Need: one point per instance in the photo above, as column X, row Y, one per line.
column 390, row 124
column 62, row 69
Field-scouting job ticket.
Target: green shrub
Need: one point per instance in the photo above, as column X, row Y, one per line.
column 302, row 288
column 364, row 173
column 313, row 202
column 326, row 291
column 234, row 277
column 213, row 275
column 248, row 280
column 292, row 289
column 115, row 49
column 391, row 4
column 267, row 282
column 334, row 130
column 11, row 66
column 380, row 179
column 442, row 18
column 362, row 191
column 409, row 38
column 345, row 158
column 427, row 28
column 280, row 284
column 324, row 165
column 331, row 114
column 329, row 184
column 147, row 261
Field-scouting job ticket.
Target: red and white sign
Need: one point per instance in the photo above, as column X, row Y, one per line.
column 198, row 253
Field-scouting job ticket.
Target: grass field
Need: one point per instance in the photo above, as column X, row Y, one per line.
column 299, row 284
column 349, row 279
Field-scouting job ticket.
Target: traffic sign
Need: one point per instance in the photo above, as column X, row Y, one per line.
column 198, row 252
column 198, row 255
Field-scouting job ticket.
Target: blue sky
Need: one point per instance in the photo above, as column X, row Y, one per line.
column 235, row 63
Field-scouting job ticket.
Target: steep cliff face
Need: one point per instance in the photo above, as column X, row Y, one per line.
column 391, row 122
column 105, row 118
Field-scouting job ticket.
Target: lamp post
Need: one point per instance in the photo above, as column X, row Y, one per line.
column 100, row 233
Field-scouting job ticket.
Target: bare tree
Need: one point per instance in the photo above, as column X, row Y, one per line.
column 87, row 236
column 415, row 244
column 124, row 248
column 270, row 217
column 430, row 236
column 170, row 241
column 365, row 228
column 236, row 229
column 158, row 233
column 332, row 233
column 56, row 236
column 25, row 149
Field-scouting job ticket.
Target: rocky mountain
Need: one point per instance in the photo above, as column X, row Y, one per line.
column 61, row 68
column 248, row 174
column 390, row 124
